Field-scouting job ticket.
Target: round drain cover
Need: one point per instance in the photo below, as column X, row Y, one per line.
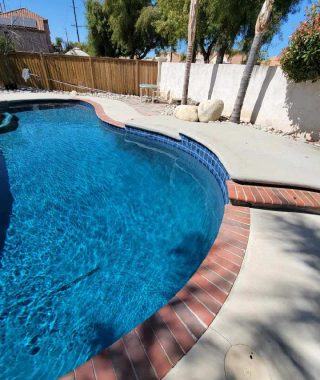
column 242, row 363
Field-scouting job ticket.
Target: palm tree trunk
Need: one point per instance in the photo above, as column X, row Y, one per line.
column 235, row 116
column 191, row 37
column 220, row 54
column 261, row 27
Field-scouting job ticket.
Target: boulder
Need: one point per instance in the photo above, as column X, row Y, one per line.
column 210, row 110
column 187, row 113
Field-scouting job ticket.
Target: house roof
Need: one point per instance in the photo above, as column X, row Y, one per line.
column 25, row 13
column 272, row 61
column 78, row 52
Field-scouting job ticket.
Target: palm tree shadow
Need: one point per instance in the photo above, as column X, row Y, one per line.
column 189, row 252
column 285, row 332
column 299, row 291
column 301, row 103
column 293, row 321
column 104, row 335
column 267, row 80
column 213, row 79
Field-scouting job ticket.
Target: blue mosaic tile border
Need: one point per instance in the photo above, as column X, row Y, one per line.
column 196, row 150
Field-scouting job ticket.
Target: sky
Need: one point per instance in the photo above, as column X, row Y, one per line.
column 60, row 16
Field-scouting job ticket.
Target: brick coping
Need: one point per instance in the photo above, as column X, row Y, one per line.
column 272, row 197
column 151, row 349
column 263, row 196
column 100, row 113
column 154, row 347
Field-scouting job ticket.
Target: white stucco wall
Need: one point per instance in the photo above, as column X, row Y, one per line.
column 271, row 101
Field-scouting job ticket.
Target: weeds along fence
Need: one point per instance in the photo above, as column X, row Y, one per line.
column 121, row 76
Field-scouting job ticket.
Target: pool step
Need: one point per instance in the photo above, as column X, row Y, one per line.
column 277, row 198
column 8, row 122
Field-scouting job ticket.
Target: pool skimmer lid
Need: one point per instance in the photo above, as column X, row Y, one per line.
column 242, row 363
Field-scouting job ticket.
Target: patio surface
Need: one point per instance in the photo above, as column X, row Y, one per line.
column 274, row 306
column 248, row 154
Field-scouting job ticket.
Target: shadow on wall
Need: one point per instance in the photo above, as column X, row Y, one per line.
column 267, row 80
column 213, row 79
column 302, row 101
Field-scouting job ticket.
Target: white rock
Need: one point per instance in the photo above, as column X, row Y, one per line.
column 210, row 110
column 187, row 113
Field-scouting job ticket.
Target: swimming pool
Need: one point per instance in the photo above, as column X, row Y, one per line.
column 99, row 229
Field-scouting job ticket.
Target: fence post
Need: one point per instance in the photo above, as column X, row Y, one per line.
column 137, row 77
column 45, row 72
column 93, row 81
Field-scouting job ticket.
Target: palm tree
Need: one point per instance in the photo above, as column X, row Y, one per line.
column 191, row 36
column 261, row 27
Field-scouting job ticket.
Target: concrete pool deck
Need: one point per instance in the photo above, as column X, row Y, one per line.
column 274, row 305
column 248, row 154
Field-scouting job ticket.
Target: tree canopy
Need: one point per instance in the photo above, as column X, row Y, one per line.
column 123, row 27
column 300, row 60
column 280, row 13
column 134, row 27
column 99, row 30
column 220, row 23
column 6, row 45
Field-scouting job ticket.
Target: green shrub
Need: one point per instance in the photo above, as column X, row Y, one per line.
column 300, row 61
column 6, row 45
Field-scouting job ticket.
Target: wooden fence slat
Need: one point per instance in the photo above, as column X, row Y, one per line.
column 137, row 76
column 92, row 74
column 121, row 76
column 45, row 72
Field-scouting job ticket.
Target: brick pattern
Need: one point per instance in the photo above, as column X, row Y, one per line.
column 273, row 197
column 150, row 350
column 101, row 114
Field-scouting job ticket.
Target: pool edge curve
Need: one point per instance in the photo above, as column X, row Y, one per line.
column 154, row 347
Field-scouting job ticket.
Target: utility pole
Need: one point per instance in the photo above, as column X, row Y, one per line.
column 67, row 37
column 75, row 19
column 4, row 6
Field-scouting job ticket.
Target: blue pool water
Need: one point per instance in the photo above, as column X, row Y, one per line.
column 98, row 230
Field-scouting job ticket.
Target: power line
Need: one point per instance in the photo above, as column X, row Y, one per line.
column 79, row 26
column 75, row 19
column 67, row 36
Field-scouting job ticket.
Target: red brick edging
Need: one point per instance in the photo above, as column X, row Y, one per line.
column 273, row 197
column 151, row 349
column 101, row 114
column 155, row 346
column 252, row 195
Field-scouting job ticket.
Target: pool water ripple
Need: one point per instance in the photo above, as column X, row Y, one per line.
column 105, row 228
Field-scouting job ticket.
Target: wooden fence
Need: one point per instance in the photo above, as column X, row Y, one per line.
column 121, row 76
